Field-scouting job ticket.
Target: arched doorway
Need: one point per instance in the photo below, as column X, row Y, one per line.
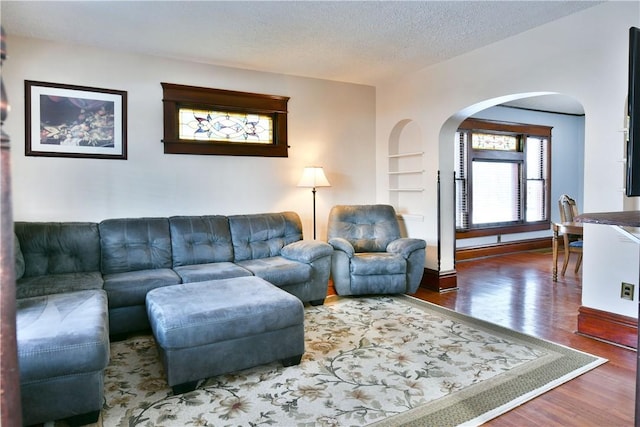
column 518, row 108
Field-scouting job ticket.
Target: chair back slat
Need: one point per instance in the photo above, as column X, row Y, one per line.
column 568, row 208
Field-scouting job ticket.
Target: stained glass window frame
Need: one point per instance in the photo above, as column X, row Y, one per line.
column 481, row 140
column 272, row 108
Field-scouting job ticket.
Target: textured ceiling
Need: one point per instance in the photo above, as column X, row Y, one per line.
column 353, row 41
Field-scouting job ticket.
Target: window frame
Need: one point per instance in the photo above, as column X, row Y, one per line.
column 522, row 131
column 177, row 96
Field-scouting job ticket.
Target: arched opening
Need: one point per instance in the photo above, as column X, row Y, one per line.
column 563, row 113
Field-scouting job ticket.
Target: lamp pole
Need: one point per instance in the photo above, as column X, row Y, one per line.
column 313, row 177
column 314, row 212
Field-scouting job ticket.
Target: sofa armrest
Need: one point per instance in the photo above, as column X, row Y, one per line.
column 306, row 251
column 406, row 246
column 341, row 244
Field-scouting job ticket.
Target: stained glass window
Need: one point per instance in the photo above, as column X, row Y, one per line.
column 203, row 125
column 220, row 122
column 490, row 141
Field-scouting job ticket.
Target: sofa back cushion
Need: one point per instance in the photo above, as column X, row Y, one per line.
column 369, row 228
column 263, row 235
column 17, row 253
column 200, row 239
column 132, row 244
column 58, row 247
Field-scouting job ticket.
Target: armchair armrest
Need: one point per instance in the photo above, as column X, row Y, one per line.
column 341, row 244
column 306, row 251
column 405, row 246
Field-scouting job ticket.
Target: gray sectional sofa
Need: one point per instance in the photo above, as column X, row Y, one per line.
column 126, row 258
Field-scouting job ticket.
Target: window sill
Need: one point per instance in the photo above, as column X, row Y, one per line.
column 493, row 231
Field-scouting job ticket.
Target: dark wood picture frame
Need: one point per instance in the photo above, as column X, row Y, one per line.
column 177, row 96
column 75, row 121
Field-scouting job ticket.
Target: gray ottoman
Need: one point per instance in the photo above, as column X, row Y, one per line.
column 215, row 327
column 63, row 349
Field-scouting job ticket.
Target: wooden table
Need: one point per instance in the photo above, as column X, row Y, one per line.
column 565, row 228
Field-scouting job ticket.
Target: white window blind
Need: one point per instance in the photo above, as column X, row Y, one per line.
column 496, row 192
column 536, row 149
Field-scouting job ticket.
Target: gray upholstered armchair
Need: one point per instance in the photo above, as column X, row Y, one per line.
column 369, row 256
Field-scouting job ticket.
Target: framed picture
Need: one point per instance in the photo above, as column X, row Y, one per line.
column 75, row 121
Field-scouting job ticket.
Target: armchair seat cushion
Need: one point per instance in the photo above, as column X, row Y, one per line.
column 377, row 263
column 278, row 270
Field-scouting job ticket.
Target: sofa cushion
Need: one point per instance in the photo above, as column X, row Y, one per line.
column 211, row 271
column 131, row 287
column 58, row 284
column 62, row 334
column 58, row 247
column 131, row 244
column 200, row 239
column 263, row 235
column 278, row 270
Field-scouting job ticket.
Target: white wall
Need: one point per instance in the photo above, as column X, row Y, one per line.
column 331, row 124
column 584, row 56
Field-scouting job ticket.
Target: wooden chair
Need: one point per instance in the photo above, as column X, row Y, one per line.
column 572, row 243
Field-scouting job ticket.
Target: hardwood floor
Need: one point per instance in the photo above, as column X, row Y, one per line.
column 516, row 291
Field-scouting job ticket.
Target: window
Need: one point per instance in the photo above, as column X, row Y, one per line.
column 213, row 121
column 224, row 126
column 502, row 178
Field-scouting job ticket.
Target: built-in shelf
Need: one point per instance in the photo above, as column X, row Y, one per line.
column 405, row 172
column 405, row 177
column 416, row 153
column 411, row 217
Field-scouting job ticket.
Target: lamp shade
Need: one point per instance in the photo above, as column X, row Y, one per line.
column 312, row 177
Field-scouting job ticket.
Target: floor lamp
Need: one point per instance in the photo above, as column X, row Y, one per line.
column 312, row 177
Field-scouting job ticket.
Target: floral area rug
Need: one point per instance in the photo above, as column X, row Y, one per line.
column 385, row 361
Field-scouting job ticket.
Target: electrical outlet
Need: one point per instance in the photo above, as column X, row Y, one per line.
column 626, row 291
